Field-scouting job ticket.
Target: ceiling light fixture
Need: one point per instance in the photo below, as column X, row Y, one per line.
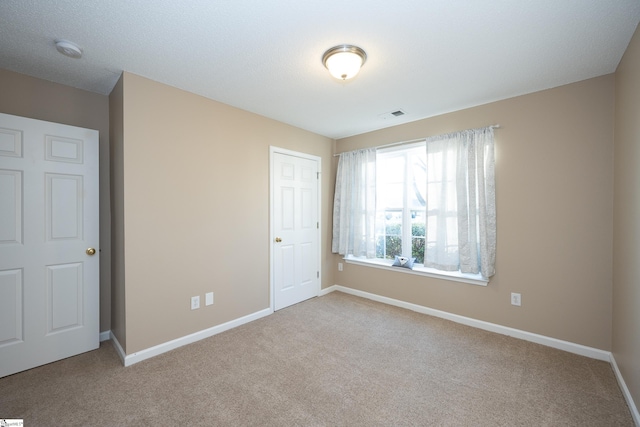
column 344, row 61
column 68, row 48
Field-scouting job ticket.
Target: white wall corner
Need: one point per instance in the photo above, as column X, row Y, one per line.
column 119, row 349
column 328, row 290
column 625, row 391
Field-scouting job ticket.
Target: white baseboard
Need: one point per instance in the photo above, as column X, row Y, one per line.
column 130, row 359
column 625, row 391
column 582, row 350
column 118, row 348
column 105, row 336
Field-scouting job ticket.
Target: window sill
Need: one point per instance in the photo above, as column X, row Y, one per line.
column 456, row 276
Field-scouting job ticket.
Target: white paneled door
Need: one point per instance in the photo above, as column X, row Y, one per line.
column 295, row 228
column 49, row 258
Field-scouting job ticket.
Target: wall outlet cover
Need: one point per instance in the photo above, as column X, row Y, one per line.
column 195, row 302
column 516, row 299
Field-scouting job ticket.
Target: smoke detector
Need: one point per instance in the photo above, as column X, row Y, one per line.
column 68, row 48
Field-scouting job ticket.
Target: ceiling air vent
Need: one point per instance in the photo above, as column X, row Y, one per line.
column 392, row 114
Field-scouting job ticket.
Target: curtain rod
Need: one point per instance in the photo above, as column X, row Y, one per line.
column 411, row 141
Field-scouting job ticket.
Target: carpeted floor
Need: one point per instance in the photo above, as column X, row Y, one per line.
column 336, row 360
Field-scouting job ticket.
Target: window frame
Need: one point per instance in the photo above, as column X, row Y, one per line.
column 407, row 234
column 406, row 231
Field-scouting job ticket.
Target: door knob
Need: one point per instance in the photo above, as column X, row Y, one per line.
column 90, row 251
column 278, row 240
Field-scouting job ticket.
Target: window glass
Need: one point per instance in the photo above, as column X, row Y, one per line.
column 400, row 203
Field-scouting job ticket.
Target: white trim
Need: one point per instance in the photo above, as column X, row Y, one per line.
column 625, row 392
column 454, row 276
column 118, row 348
column 139, row 356
column 328, row 290
column 105, row 336
column 570, row 347
column 272, row 150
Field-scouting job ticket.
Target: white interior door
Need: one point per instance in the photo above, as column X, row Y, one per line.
column 295, row 228
column 49, row 280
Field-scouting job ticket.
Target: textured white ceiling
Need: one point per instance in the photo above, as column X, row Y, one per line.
column 426, row 57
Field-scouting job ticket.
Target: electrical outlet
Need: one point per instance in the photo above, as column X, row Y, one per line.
column 208, row 298
column 516, row 299
column 195, row 302
column 340, row 266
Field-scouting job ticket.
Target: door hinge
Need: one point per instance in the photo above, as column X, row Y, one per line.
column 317, row 175
column 318, row 274
column 318, row 225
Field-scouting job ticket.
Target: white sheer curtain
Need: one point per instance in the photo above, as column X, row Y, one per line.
column 354, row 204
column 461, row 208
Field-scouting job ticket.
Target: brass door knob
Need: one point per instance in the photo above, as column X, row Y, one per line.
column 90, row 251
column 278, row 240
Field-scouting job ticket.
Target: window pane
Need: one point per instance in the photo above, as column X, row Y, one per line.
column 417, row 235
column 401, row 196
column 394, row 247
column 417, row 185
column 417, row 223
column 390, row 239
column 390, row 195
column 417, row 249
column 390, row 183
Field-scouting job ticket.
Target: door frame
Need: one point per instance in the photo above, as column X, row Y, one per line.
column 273, row 150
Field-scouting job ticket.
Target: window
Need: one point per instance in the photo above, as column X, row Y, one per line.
column 434, row 201
column 400, row 202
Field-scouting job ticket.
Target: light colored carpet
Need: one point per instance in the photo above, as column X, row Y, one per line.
column 337, row 360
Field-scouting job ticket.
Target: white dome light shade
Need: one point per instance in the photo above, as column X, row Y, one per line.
column 344, row 61
column 68, row 48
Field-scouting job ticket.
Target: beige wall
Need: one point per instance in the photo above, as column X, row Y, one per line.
column 25, row 96
column 196, row 209
column 626, row 249
column 554, row 182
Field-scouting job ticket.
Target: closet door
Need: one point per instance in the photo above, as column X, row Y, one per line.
column 295, row 225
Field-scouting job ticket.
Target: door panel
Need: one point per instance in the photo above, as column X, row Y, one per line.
column 10, row 306
column 295, row 221
column 63, row 198
column 10, row 206
column 49, row 284
column 64, row 297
